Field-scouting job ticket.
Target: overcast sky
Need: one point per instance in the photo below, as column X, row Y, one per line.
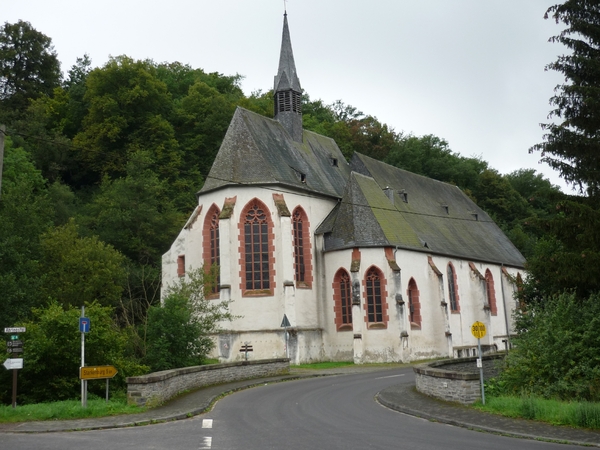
column 469, row 71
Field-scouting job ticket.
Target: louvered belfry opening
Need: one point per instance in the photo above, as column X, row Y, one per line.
column 288, row 101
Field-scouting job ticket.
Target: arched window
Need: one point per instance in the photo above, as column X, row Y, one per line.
column 414, row 305
column 256, row 249
column 491, row 292
column 302, row 257
column 453, row 289
column 342, row 297
column 375, row 298
column 211, row 250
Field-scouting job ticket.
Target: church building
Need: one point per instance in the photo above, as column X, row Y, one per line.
column 322, row 259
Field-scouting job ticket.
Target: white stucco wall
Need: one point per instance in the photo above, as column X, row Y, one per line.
column 314, row 335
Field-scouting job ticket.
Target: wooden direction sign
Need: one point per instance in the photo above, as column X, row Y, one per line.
column 97, row 372
column 14, row 350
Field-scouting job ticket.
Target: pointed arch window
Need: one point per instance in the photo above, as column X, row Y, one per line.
column 256, row 249
column 342, row 296
column 490, row 292
column 453, row 289
column 211, row 251
column 375, row 299
column 302, row 254
column 414, row 304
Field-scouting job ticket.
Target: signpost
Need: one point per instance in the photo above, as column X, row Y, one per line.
column 246, row 348
column 97, row 373
column 14, row 347
column 84, row 327
column 478, row 330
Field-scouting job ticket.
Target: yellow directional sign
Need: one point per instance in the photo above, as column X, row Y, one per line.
column 478, row 330
column 97, row 372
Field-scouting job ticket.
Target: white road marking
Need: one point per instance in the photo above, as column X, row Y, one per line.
column 391, row 376
column 206, row 443
column 207, row 423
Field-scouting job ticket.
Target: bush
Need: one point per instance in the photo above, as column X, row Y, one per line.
column 557, row 350
column 179, row 332
column 52, row 353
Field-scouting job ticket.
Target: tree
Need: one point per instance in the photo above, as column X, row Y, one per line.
column 78, row 270
column 53, row 346
column 572, row 145
column 29, row 66
column 134, row 213
column 179, row 332
column 25, row 213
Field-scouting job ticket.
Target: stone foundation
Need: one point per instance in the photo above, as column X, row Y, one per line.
column 158, row 387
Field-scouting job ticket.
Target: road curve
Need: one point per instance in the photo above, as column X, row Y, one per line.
column 333, row 412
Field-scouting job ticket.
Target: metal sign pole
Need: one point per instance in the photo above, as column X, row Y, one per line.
column 481, row 371
column 83, row 382
column 14, row 390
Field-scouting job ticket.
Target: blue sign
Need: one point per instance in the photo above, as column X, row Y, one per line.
column 84, row 324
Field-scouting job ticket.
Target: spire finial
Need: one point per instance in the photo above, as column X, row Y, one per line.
column 285, row 7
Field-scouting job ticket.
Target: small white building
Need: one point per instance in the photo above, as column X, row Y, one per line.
column 367, row 262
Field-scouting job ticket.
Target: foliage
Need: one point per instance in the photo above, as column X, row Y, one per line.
column 557, row 350
column 574, row 414
column 69, row 410
column 179, row 332
column 25, row 213
column 78, row 270
column 29, row 67
column 52, row 345
column 134, row 213
column 571, row 144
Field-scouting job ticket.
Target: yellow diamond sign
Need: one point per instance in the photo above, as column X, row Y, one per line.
column 478, row 330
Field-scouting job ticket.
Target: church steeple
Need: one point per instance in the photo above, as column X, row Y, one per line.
column 287, row 91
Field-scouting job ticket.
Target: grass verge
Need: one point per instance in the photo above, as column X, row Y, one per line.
column 68, row 409
column 574, row 414
column 324, row 365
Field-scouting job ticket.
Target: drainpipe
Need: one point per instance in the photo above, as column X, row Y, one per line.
column 504, row 303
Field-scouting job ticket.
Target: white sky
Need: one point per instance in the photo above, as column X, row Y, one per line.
column 469, row 71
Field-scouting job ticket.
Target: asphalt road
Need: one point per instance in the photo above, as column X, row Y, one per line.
column 317, row 413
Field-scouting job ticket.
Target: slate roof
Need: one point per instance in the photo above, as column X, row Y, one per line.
column 257, row 150
column 437, row 218
column 286, row 77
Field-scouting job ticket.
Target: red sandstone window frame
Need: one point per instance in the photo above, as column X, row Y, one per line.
column 181, row 266
column 302, row 248
column 414, row 305
column 491, row 292
column 256, row 250
column 375, row 298
column 211, row 249
column 342, row 297
column 453, row 296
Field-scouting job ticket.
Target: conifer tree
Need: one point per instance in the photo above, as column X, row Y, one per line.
column 572, row 142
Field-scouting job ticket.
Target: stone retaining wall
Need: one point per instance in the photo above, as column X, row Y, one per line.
column 158, row 387
column 455, row 380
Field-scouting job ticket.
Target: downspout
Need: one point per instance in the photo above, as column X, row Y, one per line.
column 504, row 303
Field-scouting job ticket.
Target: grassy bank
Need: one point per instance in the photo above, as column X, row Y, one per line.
column 69, row 409
column 574, row 414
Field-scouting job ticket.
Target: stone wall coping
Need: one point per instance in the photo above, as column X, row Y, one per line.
column 435, row 369
column 166, row 374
